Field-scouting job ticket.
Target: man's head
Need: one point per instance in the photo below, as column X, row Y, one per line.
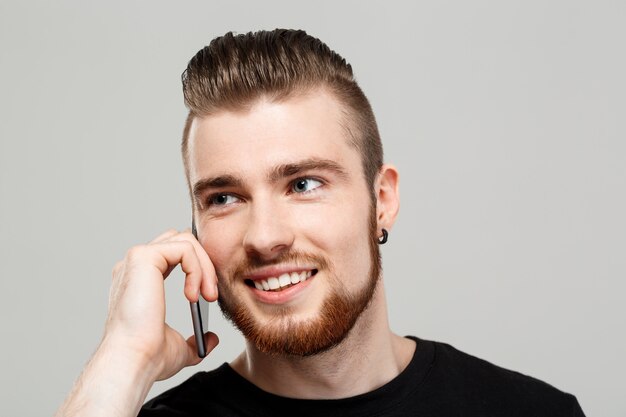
column 284, row 165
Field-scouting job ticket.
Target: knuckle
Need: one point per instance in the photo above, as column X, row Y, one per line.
column 169, row 233
column 187, row 235
column 186, row 245
column 136, row 252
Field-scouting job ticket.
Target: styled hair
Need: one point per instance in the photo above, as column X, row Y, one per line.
column 234, row 71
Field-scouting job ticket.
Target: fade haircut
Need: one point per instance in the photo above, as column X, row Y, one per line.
column 234, row 71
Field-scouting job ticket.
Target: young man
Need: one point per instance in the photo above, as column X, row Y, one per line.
column 291, row 200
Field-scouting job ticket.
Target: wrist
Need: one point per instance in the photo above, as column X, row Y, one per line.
column 130, row 361
column 115, row 382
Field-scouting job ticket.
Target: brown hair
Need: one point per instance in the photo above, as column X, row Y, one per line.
column 235, row 70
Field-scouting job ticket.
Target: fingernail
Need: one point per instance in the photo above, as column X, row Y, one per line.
column 215, row 289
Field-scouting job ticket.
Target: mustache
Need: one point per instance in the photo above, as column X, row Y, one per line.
column 254, row 262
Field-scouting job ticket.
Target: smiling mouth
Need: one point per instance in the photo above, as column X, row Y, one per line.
column 281, row 282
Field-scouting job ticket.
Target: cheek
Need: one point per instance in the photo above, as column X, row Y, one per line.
column 341, row 232
column 327, row 224
column 221, row 239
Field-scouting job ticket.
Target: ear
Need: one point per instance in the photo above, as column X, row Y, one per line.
column 387, row 197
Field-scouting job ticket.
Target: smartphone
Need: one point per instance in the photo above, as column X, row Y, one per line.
column 199, row 313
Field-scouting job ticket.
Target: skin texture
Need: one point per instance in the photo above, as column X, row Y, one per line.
column 263, row 227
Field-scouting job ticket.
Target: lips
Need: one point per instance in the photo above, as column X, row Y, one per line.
column 279, row 282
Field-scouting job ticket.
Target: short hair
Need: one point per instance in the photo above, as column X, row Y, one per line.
column 234, row 71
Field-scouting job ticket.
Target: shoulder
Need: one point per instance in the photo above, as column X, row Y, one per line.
column 487, row 386
column 463, row 367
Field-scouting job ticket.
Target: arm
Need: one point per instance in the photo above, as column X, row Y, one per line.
column 138, row 348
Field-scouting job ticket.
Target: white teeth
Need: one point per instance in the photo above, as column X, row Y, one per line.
column 284, row 280
column 273, row 283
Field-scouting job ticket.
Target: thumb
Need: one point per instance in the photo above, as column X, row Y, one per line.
column 210, row 341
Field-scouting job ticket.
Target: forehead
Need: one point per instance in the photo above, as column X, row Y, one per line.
column 270, row 133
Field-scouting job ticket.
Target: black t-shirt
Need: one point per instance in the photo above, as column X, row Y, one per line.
column 440, row 381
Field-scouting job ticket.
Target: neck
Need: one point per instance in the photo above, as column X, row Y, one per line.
column 369, row 357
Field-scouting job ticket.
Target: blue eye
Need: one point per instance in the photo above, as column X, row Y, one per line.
column 304, row 185
column 222, row 199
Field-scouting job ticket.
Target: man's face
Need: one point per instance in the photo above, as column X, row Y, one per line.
column 285, row 214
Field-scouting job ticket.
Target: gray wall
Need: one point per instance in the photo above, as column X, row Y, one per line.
column 506, row 120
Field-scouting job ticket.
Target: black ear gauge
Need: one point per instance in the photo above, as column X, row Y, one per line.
column 382, row 240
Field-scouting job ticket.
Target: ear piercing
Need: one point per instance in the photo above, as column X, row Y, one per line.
column 383, row 239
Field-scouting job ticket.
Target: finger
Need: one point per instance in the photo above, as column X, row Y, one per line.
column 169, row 271
column 210, row 341
column 208, row 288
column 164, row 236
column 171, row 253
column 208, row 285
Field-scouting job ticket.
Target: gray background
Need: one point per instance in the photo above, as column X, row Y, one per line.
column 506, row 120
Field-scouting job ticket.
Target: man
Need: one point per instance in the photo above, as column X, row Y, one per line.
column 291, row 200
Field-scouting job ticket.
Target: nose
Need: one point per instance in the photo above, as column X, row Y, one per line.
column 268, row 233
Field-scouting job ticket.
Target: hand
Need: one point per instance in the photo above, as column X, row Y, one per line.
column 136, row 319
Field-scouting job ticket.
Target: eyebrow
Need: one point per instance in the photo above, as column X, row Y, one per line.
column 220, row 181
column 277, row 173
column 289, row 170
